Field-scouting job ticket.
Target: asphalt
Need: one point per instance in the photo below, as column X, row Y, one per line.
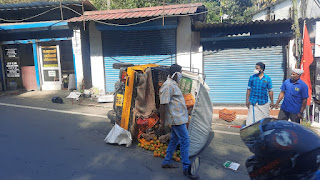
column 224, row 144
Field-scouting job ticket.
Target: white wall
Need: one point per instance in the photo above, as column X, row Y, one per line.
column 281, row 11
column 260, row 16
column 317, row 40
column 76, row 46
column 96, row 58
column 313, row 10
column 189, row 51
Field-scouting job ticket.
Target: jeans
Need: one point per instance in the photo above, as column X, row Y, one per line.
column 179, row 134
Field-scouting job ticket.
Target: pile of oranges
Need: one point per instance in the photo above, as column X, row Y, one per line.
column 159, row 149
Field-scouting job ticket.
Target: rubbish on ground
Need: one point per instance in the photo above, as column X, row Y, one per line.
column 231, row 165
column 87, row 92
column 118, row 135
column 227, row 115
column 74, row 95
column 106, row 99
column 57, row 100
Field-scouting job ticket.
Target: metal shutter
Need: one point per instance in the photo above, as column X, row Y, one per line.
column 228, row 71
column 136, row 47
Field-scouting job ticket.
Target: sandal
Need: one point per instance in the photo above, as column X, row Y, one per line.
column 169, row 166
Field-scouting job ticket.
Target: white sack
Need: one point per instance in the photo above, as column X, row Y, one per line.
column 74, row 95
column 119, row 136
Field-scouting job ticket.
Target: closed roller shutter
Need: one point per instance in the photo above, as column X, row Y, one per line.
column 136, row 47
column 112, row 75
column 228, row 71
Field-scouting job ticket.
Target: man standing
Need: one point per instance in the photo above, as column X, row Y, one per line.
column 295, row 93
column 173, row 111
column 259, row 86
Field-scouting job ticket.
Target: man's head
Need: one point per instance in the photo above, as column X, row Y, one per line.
column 260, row 67
column 173, row 69
column 295, row 75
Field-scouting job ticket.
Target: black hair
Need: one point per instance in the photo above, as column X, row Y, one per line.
column 262, row 66
column 174, row 68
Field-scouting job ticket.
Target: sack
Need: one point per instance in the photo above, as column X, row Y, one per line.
column 57, row 100
column 118, row 135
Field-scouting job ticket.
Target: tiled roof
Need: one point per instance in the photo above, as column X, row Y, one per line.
column 169, row 10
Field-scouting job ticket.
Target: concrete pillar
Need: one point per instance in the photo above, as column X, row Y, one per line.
column 77, row 55
column 96, row 58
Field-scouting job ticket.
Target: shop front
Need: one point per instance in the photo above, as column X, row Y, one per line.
column 42, row 63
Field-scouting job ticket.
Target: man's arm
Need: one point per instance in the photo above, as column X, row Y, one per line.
column 303, row 107
column 271, row 99
column 163, row 114
column 281, row 95
column 247, row 97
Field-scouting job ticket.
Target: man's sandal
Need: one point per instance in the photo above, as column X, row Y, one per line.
column 169, row 166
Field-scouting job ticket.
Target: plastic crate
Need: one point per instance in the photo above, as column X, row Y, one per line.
column 227, row 115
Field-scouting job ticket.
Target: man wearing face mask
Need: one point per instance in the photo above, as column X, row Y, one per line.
column 295, row 94
column 173, row 111
column 259, row 86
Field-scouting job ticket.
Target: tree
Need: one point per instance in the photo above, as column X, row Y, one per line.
column 229, row 11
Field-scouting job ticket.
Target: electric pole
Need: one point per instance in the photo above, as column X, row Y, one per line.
column 297, row 33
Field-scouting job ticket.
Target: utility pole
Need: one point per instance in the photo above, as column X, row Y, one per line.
column 297, row 33
column 108, row 4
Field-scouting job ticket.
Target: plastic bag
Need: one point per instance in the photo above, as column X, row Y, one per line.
column 118, row 135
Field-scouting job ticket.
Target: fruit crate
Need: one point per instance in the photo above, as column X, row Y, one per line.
column 227, row 115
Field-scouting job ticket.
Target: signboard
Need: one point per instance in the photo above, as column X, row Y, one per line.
column 52, row 73
column 12, row 68
column 317, row 40
column 11, row 53
column 49, row 56
column 317, row 90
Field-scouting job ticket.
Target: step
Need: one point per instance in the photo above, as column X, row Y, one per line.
column 241, row 110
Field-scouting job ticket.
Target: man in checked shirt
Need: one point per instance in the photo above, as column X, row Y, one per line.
column 259, row 86
column 173, row 111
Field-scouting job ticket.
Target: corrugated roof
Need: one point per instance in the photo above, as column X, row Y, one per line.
column 201, row 25
column 40, row 4
column 207, row 26
column 179, row 9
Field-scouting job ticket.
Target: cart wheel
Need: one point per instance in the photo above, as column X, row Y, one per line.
column 112, row 116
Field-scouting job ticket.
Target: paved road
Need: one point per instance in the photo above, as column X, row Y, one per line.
column 39, row 144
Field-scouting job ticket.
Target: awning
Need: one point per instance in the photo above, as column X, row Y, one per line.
column 33, row 26
column 169, row 10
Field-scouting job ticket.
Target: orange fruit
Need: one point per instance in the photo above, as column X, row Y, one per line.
column 151, row 141
column 177, row 159
column 155, row 138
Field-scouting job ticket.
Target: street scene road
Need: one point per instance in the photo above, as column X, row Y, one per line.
column 47, row 143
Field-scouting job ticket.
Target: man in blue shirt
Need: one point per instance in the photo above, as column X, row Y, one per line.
column 295, row 93
column 259, row 86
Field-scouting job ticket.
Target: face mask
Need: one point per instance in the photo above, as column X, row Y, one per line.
column 256, row 72
column 179, row 76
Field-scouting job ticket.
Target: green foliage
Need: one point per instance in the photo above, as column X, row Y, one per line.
column 232, row 11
